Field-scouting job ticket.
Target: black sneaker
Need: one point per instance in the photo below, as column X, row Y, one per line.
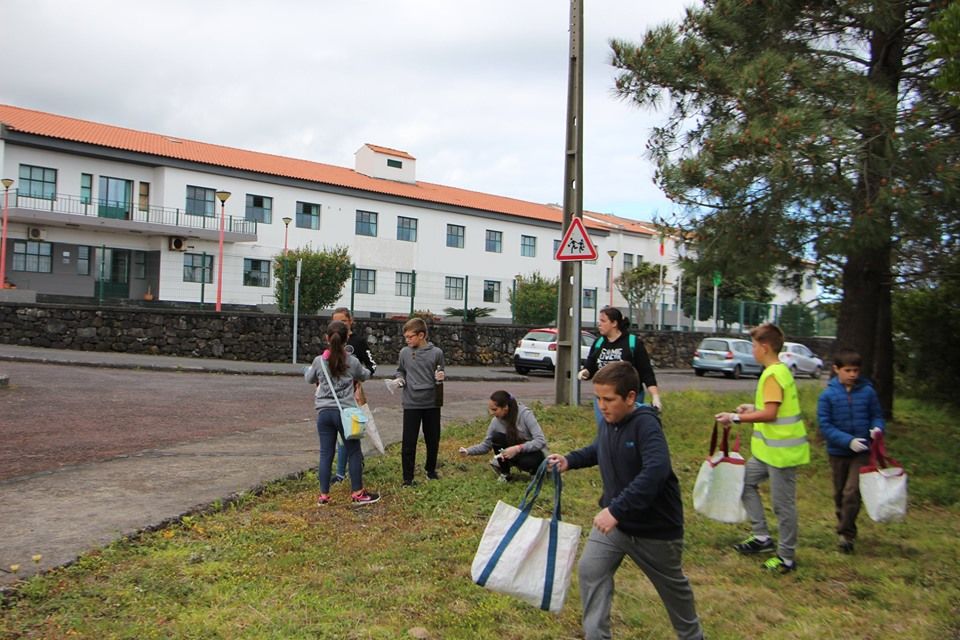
column 433, row 476
column 845, row 545
column 753, row 545
column 409, row 483
column 776, row 564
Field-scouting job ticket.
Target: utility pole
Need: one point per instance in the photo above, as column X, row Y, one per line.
column 567, row 385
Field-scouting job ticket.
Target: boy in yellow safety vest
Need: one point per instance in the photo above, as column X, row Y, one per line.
column 778, row 446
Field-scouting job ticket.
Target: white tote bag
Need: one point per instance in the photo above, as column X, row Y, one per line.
column 719, row 485
column 526, row 557
column 883, row 485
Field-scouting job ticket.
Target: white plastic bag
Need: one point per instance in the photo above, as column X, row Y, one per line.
column 372, row 432
column 883, row 485
column 526, row 557
column 719, row 485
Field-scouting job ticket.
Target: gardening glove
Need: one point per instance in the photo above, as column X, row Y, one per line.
column 875, row 432
column 655, row 402
column 584, row 374
column 724, row 418
column 745, row 408
column 859, row 445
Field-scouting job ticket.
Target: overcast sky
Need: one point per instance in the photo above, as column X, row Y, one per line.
column 476, row 91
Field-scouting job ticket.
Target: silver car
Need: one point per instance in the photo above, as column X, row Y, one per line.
column 801, row 360
column 732, row 357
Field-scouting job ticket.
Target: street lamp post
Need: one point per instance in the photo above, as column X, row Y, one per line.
column 7, row 182
column 613, row 254
column 222, row 197
column 283, row 291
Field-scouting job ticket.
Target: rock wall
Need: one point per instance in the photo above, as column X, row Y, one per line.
column 261, row 337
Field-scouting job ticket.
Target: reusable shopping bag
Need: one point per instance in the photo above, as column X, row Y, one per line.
column 527, row 557
column 354, row 420
column 719, row 485
column 883, row 485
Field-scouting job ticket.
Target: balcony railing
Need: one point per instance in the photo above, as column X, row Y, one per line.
column 119, row 210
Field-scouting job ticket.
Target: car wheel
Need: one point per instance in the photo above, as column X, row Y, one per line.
column 793, row 371
column 699, row 372
column 816, row 373
column 522, row 370
column 736, row 373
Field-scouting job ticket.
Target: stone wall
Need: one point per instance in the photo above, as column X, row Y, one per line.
column 261, row 337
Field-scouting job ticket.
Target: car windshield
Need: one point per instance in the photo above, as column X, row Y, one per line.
column 541, row 336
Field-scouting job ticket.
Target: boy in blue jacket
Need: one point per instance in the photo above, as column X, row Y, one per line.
column 850, row 416
column 641, row 512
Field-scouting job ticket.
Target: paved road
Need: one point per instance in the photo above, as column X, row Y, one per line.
column 97, row 446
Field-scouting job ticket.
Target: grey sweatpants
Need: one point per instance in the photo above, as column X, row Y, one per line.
column 783, row 495
column 659, row 559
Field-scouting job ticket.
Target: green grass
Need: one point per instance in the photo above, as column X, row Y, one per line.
column 276, row 566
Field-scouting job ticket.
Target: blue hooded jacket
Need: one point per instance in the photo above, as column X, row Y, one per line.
column 844, row 415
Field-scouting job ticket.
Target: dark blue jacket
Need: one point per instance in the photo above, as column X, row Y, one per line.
column 639, row 486
column 845, row 415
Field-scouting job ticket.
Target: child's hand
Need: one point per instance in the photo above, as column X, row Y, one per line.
column 745, row 408
column 439, row 375
column 859, row 445
column 584, row 374
column 558, row 461
column 876, row 431
column 463, row 451
column 724, row 418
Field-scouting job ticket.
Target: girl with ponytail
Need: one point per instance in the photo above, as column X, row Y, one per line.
column 514, row 435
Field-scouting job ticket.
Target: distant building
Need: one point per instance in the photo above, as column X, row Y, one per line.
column 102, row 210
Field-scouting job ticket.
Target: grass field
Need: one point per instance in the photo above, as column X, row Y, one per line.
column 276, row 566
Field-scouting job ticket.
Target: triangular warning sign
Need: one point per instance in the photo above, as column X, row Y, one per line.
column 576, row 243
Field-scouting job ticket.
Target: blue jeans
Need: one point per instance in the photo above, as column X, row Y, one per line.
column 329, row 427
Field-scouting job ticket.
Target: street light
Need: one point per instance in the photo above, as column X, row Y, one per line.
column 7, row 182
column 613, row 254
column 222, row 197
column 286, row 229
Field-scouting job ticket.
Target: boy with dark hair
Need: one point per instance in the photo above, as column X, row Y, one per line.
column 850, row 416
column 419, row 371
column 778, row 446
column 642, row 512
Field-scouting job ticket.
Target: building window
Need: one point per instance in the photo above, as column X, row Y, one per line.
column 589, row 299
column 139, row 265
column 366, row 223
column 36, row 257
column 256, row 273
column 453, row 288
column 194, row 265
column 808, row 282
column 308, row 215
column 627, row 261
column 37, row 182
column 259, row 208
column 144, row 202
column 407, row 229
column 494, row 241
column 83, row 261
column 395, row 164
column 86, row 188
column 365, row 281
column 200, row 202
column 528, row 246
column 556, row 246
column 491, row 291
column 404, row 287
column 455, row 235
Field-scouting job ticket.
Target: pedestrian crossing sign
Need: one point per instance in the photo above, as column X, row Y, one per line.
column 576, row 243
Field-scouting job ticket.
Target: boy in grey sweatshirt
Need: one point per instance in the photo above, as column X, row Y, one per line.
column 420, row 371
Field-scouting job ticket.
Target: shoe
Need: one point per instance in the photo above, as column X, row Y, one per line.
column 845, row 545
column 779, row 565
column 337, row 478
column 752, row 545
column 324, row 499
column 409, row 483
column 433, row 476
column 503, row 478
column 495, row 465
column 364, row 497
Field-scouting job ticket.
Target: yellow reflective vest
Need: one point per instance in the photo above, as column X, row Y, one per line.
column 783, row 441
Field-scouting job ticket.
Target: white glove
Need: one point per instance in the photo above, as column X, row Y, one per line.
column 724, row 418
column 584, row 374
column 746, row 408
column 859, row 445
column 655, row 401
column 392, row 384
column 875, row 432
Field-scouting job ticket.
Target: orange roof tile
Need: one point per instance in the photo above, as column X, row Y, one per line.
column 59, row 127
column 390, row 152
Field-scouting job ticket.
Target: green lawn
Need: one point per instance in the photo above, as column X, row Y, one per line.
column 276, row 566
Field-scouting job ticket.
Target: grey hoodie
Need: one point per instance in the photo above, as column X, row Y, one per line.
column 323, row 398
column 527, row 428
column 417, row 367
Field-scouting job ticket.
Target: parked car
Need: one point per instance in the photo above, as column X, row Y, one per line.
column 538, row 350
column 800, row 359
column 732, row 357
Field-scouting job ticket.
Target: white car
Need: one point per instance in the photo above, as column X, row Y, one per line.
column 538, row 350
column 800, row 359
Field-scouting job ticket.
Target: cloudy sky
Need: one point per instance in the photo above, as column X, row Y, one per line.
column 476, row 91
